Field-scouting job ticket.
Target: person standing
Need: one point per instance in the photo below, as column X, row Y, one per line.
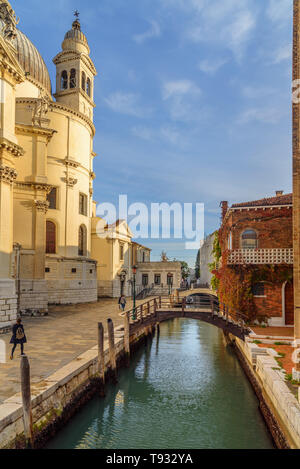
column 18, row 337
column 122, row 302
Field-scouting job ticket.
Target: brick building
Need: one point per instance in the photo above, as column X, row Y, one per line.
column 257, row 258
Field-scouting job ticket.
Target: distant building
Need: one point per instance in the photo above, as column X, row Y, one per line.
column 206, row 258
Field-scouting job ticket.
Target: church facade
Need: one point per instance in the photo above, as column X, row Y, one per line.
column 46, row 173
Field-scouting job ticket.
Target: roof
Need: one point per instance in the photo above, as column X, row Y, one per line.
column 285, row 199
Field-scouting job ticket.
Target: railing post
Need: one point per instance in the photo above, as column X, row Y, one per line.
column 183, row 305
column 101, row 362
column 227, row 313
column 160, row 302
column 26, row 400
column 177, row 293
column 112, row 349
column 127, row 338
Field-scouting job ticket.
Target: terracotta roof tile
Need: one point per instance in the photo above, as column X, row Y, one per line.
column 285, row 199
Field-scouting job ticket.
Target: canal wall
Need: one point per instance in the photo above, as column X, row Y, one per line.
column 278, row 404
column 56, row 399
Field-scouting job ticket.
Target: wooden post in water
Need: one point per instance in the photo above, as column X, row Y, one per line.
column 101, row 362
column 112, row 350
column 183, row 306
column 26, row 400
column 127, row 338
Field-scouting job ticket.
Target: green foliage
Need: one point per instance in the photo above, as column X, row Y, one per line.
column 257, row 342
column 279, row 343
column 185, row 270
column 197, row 266
column 217, row 254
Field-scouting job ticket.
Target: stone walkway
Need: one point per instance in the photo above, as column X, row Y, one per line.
column 55, row 340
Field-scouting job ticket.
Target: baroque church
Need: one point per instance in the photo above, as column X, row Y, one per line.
column 47, row 212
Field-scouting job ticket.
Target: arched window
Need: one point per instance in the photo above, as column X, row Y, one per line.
column 83, row 81
column 50, row 238
column 249, row 239
column 73, row 78
column 82, row 237
column 258, row 289
column 64, row 80
column 88, row 87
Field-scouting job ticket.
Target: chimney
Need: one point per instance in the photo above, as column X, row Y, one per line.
column 224, row 206
column 279, row 193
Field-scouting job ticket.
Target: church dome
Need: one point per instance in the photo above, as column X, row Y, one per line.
column 31, row 60
column 75, row 39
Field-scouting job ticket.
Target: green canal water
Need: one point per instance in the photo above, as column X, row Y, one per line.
column 184, row 390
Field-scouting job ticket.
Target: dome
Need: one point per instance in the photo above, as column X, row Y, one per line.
column 76, row 33
column 31, row 60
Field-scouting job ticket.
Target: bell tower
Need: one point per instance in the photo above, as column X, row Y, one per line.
column 75, row 72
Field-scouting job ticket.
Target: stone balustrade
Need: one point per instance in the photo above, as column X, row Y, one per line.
column 261, row 256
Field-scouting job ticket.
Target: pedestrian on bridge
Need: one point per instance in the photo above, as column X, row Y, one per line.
column 18, row 337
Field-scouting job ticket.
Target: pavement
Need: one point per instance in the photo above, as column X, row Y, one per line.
column 55, row 340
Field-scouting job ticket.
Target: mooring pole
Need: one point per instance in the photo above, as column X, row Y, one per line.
column 26, row 400
column 183, row 305
column 127, row 338
column 112, row 349
column 101, row 363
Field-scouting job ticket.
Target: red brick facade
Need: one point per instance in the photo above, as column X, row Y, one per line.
column 268, row 223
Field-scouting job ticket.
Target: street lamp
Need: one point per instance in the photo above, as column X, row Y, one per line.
column 170, row 282
column 134, row 268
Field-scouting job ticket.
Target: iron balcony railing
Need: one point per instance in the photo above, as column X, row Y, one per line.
column 261, row 256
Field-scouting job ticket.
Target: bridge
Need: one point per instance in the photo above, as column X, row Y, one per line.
column 202, row 305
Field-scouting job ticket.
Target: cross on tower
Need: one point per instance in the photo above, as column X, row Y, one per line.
column 76, row 14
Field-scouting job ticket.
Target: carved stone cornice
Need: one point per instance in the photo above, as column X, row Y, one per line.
column 71, row 163
column 7, row 174
column 38, row 186
column 42, row 205
column 33, row 130
column 11, row 147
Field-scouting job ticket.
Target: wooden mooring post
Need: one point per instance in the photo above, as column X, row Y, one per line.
column 26, row 400
column 112, row 350
column 127, row 337
column 101, row 361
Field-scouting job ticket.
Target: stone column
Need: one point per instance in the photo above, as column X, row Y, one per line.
column 296, row 172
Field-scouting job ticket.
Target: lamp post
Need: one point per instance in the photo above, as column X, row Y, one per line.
column 134, row 284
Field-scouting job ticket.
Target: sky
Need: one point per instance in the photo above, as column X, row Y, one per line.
column 193, row 98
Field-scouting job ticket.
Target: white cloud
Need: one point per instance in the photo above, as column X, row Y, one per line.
column 165, row 133
column 181, row 97
column 142, row 132
column 257, row 92
column 179, row 88
column 126, row 103
column 262, row 115
column 226, row 23
column 283, row 53
column 279, row 11
column 211, row 66
column 153, row 32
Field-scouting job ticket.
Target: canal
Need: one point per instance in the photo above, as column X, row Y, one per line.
column 184, row 390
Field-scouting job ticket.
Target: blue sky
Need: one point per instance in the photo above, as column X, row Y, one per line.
column 193, row 97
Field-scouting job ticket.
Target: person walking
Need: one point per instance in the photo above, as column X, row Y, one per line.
column 122, row 302
column 18, row 337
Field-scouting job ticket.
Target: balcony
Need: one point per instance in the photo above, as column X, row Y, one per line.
column 261, row 256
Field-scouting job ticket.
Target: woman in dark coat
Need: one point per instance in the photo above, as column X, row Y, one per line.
column 18, row 337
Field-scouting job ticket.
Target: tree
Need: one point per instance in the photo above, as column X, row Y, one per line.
column 197, row 266
column 185, row 270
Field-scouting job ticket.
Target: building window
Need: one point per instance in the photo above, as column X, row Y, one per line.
column 50, row 238
column 258, row 289
column 144, row 256
column 82, row 241
column 83, row 81
column 121, row 252
column 47, row 270
column 74, row 271
column 249, row 239
column 52, row 199
column 170, row 279
column 157, row 279
column 145, row 280
column 88, row 87
column 73, row 78
column 82, row 204
column 64, row 80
